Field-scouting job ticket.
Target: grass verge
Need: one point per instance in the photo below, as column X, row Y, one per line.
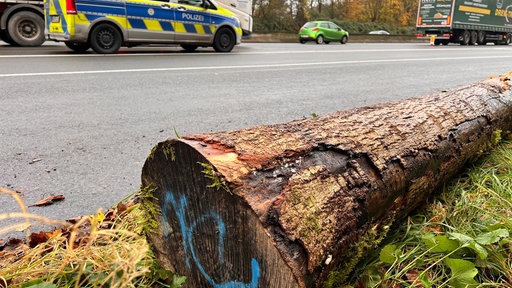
column 101, row 250
column 461, row 238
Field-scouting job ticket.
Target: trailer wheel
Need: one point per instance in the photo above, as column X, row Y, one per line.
column 473, row 38
column 105, row 39
column 26, row 28
column 464, row 37
column 481, row 38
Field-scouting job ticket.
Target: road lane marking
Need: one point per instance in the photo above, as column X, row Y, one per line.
column 255, row 66
column 143, row 53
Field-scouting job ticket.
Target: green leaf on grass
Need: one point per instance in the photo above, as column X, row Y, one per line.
column 178, row 281
column 492, row 237
column 469, row 242
column 388, row 254
column 164, row 274
column 462, row 238
column 463, row 273
column 479, row 249
column 440, row 243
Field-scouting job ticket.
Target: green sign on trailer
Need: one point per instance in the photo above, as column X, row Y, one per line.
column 467, row 22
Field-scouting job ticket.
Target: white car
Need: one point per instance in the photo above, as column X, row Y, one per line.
column 379, row 32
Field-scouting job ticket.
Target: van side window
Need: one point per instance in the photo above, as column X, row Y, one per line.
column 197, row 3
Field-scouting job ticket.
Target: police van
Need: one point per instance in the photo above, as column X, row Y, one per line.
column 106, row 25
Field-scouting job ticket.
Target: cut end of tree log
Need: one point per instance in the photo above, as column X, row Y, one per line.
column 210, row 234
column 298, row 204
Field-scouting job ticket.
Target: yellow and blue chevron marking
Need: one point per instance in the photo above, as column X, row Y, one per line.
column 54, row 7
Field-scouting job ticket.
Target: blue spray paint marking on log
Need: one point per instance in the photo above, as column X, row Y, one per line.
column 187, row 232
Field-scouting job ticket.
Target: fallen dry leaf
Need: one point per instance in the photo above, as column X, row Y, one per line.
column 412, row 277
column 49, row 200
column 38, row 238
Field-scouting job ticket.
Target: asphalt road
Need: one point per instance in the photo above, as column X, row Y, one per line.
column 82, row 125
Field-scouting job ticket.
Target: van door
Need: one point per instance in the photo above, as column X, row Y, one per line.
column 150, row 21
column 55, row 18
column 193, row 22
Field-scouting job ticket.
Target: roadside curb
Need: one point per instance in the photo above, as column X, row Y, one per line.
column 358, row 38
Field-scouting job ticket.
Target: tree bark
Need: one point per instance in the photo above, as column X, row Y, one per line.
column 298, row 204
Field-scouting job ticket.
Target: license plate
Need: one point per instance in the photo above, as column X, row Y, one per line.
column 56, row 19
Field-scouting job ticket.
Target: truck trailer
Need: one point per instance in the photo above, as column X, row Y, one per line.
column 22, row 22
column 466, row 22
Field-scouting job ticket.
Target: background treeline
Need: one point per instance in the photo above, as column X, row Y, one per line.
column 356, row 16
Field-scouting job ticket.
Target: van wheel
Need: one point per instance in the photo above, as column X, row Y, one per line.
column 105, row 39
column 224, row 40
column 26, row 29
column 78, row 47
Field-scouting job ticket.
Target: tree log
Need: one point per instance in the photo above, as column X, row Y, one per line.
column 298, row 204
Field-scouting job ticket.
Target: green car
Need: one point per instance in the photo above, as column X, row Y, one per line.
column 322, row 32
